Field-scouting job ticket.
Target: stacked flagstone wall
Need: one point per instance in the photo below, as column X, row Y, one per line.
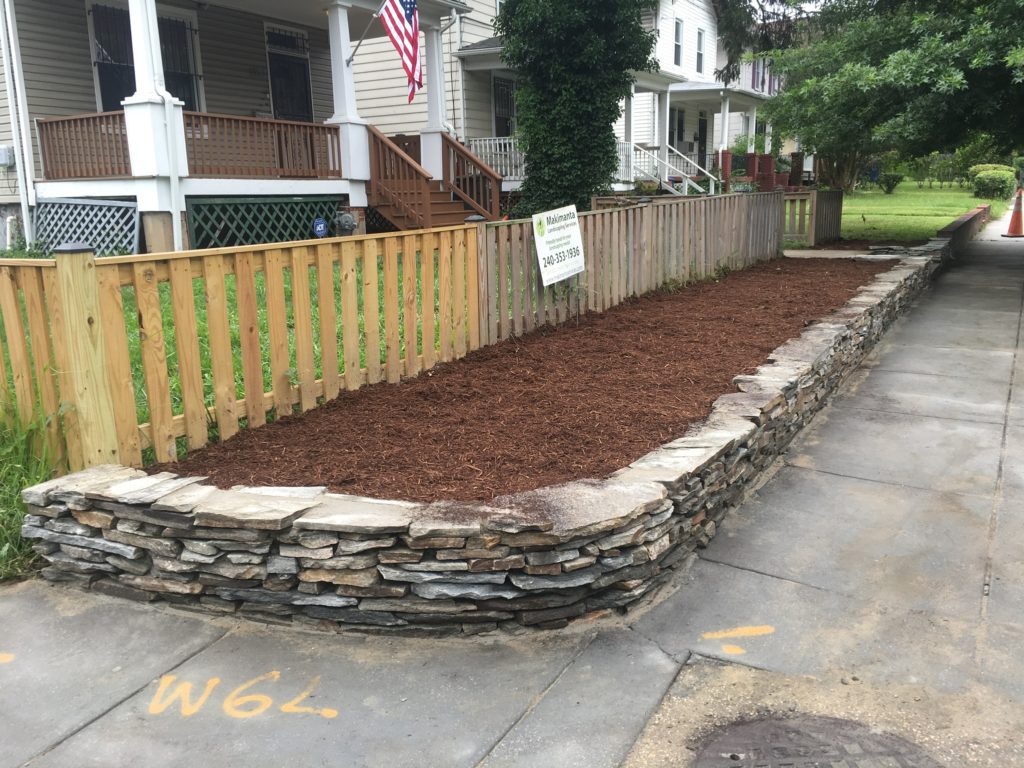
column 534, row 559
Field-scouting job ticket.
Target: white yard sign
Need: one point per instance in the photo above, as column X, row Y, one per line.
column 559, row 244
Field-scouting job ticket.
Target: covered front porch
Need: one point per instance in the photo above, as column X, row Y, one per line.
column 228, row 99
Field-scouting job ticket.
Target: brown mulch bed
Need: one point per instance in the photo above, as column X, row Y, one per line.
column 865, row 246
column 580, row 401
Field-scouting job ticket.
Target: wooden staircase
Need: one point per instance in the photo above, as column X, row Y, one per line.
column 404, row 193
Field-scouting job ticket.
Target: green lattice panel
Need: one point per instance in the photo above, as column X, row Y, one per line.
column 229, row 221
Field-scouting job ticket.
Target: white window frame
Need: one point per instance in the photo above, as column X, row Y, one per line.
column 701, row 37
column 677, row 49
column 167, row 12
column 299, row 31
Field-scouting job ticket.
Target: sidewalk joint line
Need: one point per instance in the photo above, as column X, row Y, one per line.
column 776, row 577
column 675, row 657
column 847, row 407
column 123, row 699
column 535, row 702
column 890, row 483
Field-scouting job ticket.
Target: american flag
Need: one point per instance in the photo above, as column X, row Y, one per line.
column 402, row 22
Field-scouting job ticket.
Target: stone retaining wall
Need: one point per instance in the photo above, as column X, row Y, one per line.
column 537, row 559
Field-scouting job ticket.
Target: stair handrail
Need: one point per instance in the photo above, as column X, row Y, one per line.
column 658, row 163
column 398, row 180
column 471, row 179
column 712, row 179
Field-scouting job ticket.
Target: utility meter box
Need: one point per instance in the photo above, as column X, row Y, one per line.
column 7, row 157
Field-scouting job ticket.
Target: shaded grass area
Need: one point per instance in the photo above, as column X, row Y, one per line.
column 22, row 463
column 909, row 214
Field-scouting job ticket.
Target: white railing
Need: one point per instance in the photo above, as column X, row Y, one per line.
column 501, row 153
column 712, row 180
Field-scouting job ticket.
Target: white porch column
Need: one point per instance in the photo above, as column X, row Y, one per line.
column 752, row 136
column 355, row 138
column 627, row 116
column 156, row 130
column 431, row 145
column 767, row 138
column 723, row 143
column 664, row 106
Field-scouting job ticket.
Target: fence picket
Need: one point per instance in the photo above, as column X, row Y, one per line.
column 119, row 368
column 68, row 416
column 392, row 337
column 350, row 316
column 17, row 346
column 222, row 359
column 31, row 282
column 277, row 331
column 328, row 313
column 302, row 318
column 459, row 290
column 427, row 324
column 409, row 294
column 371, row 311
column 154, row 362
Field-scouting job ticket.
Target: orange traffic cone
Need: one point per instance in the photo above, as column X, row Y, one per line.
column 1016, row 222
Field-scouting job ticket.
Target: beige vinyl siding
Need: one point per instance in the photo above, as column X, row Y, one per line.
column 479, row 105
column 8, row 176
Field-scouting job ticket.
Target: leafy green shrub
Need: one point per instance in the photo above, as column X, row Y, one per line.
column 743, row 186
column 889, row 181
column 995, row 184
column 1018, row 163
column 975, row 170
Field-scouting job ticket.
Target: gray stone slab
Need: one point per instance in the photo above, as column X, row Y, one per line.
column 907, row 548
column 904, row 450
column 357, row 514
column 592, row 716
column 974, row 364
column 926, row 394
column 398, row 702
column 74, row 657
column 806, row 631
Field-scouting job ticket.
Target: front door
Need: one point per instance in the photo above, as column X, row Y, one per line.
column 288, row 62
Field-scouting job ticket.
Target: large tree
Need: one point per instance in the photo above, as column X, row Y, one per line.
column 912, row 75
column 575, row 60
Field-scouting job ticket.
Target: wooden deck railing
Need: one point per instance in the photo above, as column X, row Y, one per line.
column 470, row 179
column 84, row 146
column 398, row 183
column 229, row 146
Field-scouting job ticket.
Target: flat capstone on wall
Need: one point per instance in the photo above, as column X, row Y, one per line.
column 536, row 559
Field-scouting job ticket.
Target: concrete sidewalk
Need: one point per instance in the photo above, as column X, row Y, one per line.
column 879, row 575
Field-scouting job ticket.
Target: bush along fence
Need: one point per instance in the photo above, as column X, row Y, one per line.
column 814, row 217
column 137, row 359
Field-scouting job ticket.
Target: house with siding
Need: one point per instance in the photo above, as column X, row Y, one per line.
column 136, row 124
column 140, row 124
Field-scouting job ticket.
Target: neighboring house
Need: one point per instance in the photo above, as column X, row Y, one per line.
column 223, row 122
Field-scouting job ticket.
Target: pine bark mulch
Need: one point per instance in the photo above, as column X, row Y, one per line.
column 579, row 401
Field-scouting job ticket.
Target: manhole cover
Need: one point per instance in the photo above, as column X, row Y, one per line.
column 808, row 742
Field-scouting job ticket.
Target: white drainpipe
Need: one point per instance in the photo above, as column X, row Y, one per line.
column 17, row 109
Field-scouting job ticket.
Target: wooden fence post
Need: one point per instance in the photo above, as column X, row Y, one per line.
column 476, row 246
column 89, row 371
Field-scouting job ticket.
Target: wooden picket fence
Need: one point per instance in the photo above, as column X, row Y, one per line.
column 814, row 217
column 628, row 251
column 136, row 359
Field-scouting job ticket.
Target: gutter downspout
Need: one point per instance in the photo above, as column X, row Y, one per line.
column 14, row 109
column 172, row 146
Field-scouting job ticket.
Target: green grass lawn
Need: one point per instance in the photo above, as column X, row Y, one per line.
column 22, row 464
column 909, row 214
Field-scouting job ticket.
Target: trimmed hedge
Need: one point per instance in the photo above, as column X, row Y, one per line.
column 995, row 184
column 974, row 170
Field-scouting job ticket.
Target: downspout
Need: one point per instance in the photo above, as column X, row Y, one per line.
column 462, row 80
column 14, row 109
column 172, row 144
column 451, row 23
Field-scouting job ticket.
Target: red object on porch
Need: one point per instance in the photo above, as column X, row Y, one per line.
column 726, row 169
column 1016, row 223
column 752, row 162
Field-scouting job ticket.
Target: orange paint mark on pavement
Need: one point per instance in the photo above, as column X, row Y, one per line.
column 292, row 707
column 6, row 658
column 731, row 634
column 161, row 700
column 733, row 650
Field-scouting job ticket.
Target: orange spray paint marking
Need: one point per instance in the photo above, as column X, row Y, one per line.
column 162, row 701
column 292, row 707
column 733, row 650
column 731, row 634
column 6, row 658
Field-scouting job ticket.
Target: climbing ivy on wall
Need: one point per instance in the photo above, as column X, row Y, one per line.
column 576, row 61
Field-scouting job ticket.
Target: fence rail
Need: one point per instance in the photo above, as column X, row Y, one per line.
column 814, row 217
column 502, row 153
column 260, row 148
column 135, row 359
column 84, row 146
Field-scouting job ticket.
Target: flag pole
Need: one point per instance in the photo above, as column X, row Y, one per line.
column 376, row 15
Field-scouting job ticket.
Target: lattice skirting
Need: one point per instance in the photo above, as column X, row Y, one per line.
column 108, row 226
column 218, row 222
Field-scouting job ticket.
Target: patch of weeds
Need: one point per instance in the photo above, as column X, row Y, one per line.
column 23, row 462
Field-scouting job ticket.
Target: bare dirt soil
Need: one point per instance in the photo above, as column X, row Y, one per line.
column 580, row 401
